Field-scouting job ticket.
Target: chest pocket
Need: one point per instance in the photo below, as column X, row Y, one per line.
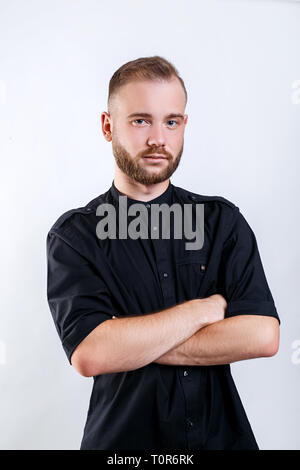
column 190, row 274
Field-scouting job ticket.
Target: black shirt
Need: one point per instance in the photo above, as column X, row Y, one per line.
column 156, row 407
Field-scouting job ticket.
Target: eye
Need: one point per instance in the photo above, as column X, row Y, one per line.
column 173, row 121
column 139, row 120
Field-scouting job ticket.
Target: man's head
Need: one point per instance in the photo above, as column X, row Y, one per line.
column 146, row 104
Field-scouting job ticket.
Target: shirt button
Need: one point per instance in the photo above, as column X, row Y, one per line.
column 148, row 206
column 165, row 274
column 185, row 373
column 189, row 423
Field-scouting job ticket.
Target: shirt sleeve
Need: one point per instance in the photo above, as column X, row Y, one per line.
column 77, row 296
column 243, row 280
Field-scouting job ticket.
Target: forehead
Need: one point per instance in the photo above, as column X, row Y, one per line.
column 154, row 97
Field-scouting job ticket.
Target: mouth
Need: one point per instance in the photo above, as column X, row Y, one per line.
column 155, row 157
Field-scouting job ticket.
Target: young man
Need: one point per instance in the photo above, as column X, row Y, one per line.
column 157, row 324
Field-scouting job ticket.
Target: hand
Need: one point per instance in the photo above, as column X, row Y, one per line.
column 215, row 307
column 219, row 299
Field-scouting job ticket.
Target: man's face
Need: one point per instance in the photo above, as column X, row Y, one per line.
column 136, row 135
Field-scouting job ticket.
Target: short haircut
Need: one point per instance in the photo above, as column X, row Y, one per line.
column 145, row 68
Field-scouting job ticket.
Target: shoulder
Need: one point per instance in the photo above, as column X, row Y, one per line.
column 203, row 198
column 221, row 213
column 67, row 219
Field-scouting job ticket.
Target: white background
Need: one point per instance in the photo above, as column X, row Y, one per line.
column 239, row 61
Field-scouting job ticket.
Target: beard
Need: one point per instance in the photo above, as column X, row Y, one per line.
column 133, row 167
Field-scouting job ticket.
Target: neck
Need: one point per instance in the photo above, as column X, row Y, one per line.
column 139, row 191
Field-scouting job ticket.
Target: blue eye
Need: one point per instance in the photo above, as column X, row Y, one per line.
column 138, row 121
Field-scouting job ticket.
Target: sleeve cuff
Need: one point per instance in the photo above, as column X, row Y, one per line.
column 81, row 330
column 248, row 307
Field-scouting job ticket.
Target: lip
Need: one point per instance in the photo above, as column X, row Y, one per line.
column 156, row 156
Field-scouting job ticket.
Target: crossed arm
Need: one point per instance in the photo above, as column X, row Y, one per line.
column 193, row 332
column 226, row 341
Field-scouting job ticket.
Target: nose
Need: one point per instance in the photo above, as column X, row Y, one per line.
column 156, row 137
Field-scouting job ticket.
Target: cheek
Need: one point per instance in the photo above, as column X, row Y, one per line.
column 176, row 141
column 136, row 139
column 132, row 142
column 126, row 136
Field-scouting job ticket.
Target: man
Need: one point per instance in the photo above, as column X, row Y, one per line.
column 156, row 324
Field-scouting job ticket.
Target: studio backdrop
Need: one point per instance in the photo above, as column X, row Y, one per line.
column 240, row 63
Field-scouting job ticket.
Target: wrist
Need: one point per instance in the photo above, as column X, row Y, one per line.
column 203, row 309
column 210, row 309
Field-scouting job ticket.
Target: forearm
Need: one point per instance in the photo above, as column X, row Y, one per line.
column 128, row 343
column 230, row 340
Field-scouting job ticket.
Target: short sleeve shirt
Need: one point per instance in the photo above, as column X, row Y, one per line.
column 92, row 279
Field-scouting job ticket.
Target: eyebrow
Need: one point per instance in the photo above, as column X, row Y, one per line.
column 147, row 115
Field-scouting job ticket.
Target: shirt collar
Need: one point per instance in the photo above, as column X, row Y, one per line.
column 165, row 197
